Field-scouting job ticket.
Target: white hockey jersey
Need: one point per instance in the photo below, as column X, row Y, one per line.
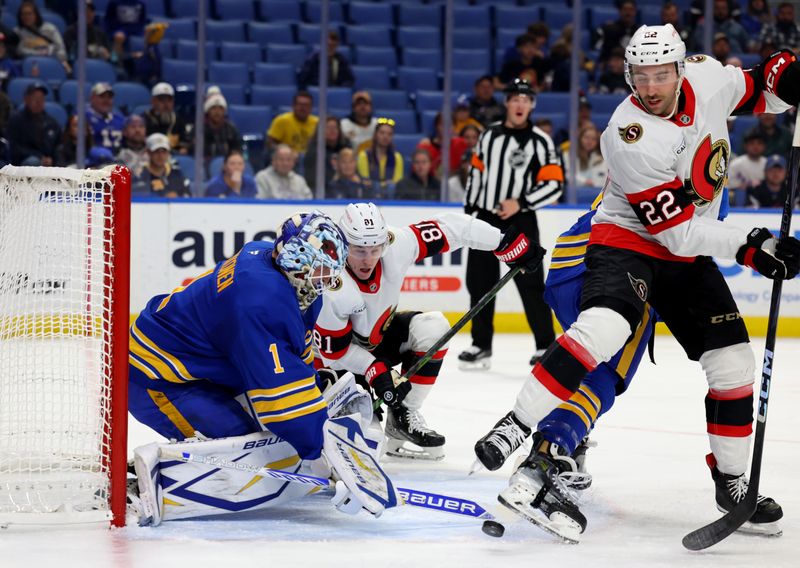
column 664, row 190
column 355, row 315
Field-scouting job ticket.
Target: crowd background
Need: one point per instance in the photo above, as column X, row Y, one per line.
column 402, row 79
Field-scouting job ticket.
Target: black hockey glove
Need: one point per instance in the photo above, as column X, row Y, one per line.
column 777, row 260
column 387, row 383
column 517, row 249
column 326, row 378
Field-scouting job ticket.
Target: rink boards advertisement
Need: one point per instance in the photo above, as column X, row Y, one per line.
column 174, row 241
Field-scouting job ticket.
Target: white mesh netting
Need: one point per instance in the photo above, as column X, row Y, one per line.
column 55, row 231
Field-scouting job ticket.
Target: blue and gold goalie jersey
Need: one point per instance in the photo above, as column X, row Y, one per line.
column 229, row 354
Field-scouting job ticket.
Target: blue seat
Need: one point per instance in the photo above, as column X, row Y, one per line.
column 68, row 93
column 371, row 77
column 274, row 74
column 374, row 36
column 596, row 16
column 309, row 33
column 186, row 50
column 234, row 93
column 415, row 78
column 235, row 10
column 560, row 120
column 605, row 103
column 228, row 30
column 17, row 86
column 362, row 13
column 406, row 144
column 556, row 16
column 273, row 96
column 383, row 56
column 516, row 17
column 242, row 52
column 263, row 33
column 129, row 95
column 54, row 18
column 420, row 15
column 429, row 100
column 468, row 38
column 650, row 15
column 177, row 71
column 49, row 69
column 280, row 10
column 313, row 12
column 386, row 100
column 186, row 164
column 250, row 119
column 187, row 8
column 154, row 7
column 601, row 119
column 477, row 60
column 56, row 111
column 225, row 72
column 98, row 70
column 338, row 97
column 506, row 37
column 471, row 17
column 430, row 58
column 405, row 121
column 422, row 37
column 285, row 53
column 182, row 28
column 552, row 102
column 463, row 81
column 426, row 121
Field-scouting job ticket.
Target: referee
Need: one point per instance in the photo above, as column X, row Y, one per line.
column 515, row 170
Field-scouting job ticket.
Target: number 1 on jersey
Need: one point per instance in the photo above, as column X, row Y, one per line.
column 273, row 348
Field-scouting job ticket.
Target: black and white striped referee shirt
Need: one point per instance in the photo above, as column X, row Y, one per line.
column 511, row 163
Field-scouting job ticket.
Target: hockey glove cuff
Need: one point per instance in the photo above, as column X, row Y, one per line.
column 387, row 383
column 516, row 249
column 760, row 252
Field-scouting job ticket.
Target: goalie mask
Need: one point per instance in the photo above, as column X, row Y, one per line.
column 311, row 252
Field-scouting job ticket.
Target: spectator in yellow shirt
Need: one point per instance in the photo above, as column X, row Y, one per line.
column 381, row 165
column 294, row 128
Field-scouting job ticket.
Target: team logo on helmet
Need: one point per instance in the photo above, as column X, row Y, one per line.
column 639, row 287
column 696, row 58
column 709, row 170
column 631, row 133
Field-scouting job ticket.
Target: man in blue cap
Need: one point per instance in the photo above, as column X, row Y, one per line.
column 33, row 134
column 772, row 191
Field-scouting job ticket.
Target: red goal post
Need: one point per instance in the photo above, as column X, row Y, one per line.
column 64, row 317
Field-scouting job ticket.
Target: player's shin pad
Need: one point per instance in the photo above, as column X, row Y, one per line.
column 361, row 483
column 171, row 489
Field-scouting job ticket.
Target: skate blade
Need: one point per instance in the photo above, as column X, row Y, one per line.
column 476, row 467
column 772, row 530
column 563, row 527
column 406, row 450
column 482, row 365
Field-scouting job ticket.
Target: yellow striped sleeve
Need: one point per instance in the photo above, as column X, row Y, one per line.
column 167, row 364
column 282, row 403
column 284, row 389
column 310, row 409
column 573, row 238
column 565, row 263
column 560, row 252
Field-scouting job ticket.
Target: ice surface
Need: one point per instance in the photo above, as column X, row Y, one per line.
column 651, row 486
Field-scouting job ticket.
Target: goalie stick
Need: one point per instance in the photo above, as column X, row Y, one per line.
column 714, row 532
column 423, row 499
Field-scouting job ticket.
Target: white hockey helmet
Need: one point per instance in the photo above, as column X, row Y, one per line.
column 654, row 45
column 363, row 225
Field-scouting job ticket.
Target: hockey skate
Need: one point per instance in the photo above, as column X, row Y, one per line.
column 537, row 494
column 473, row 358
column 730, row 489
column 408, row 436
column 502, row 440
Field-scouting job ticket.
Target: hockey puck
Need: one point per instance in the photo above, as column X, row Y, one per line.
column 493, row 528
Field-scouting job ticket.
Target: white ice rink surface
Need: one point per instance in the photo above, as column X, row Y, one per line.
column 651, row 486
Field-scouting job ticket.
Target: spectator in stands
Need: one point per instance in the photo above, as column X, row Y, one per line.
column 97, row 44
column 126, row 16
column 561, row 61
column 98, row 157
column 747, row 171
column 232, row 181
column 419, row 185
column 723, row 22
column 8, row 67
column 133, row 151
column 280, row 181
column 734, row 61
column 221, row 135
column 433, row 145
column 470, row 133
column 772, row 191
column 66, row 152
column 755, row 17
column 5, row 113
column 346, row 182
column 106, row 122
column 144, row 66
column 612, row 79
column 340, row 74
column 33, row 134
column 617, row 33
column 37, row 37
column 294, row 128
column 161, row 117
column 380, row 164
column 334, row 142
column 591, row 170
column 10, row 40
column 462, row 117
column 671, row 14
column 778, row 138
column 359, row 127
column 160, row 177
column 721, row 48
column 697, row 9
column 483, row 107
column 784, row 33
column 457, row 182
column 529, row 64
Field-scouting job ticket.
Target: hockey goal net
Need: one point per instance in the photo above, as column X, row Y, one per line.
column 64, row 277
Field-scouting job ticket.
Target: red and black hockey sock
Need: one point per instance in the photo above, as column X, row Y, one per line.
column 729, row 413
column 563, row 366
column 426, row 375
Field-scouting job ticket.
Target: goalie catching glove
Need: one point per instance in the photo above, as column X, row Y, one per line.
column 516, row 249
column 387, row 383
column 775, row 259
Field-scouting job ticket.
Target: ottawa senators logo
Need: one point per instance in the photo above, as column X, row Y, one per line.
column 639, row 287
column 709, row 171
column 631, row 133
column 380, row 327
column 696, row 59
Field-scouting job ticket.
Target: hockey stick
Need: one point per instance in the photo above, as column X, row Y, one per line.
column 723, row 527
column 432, row 501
